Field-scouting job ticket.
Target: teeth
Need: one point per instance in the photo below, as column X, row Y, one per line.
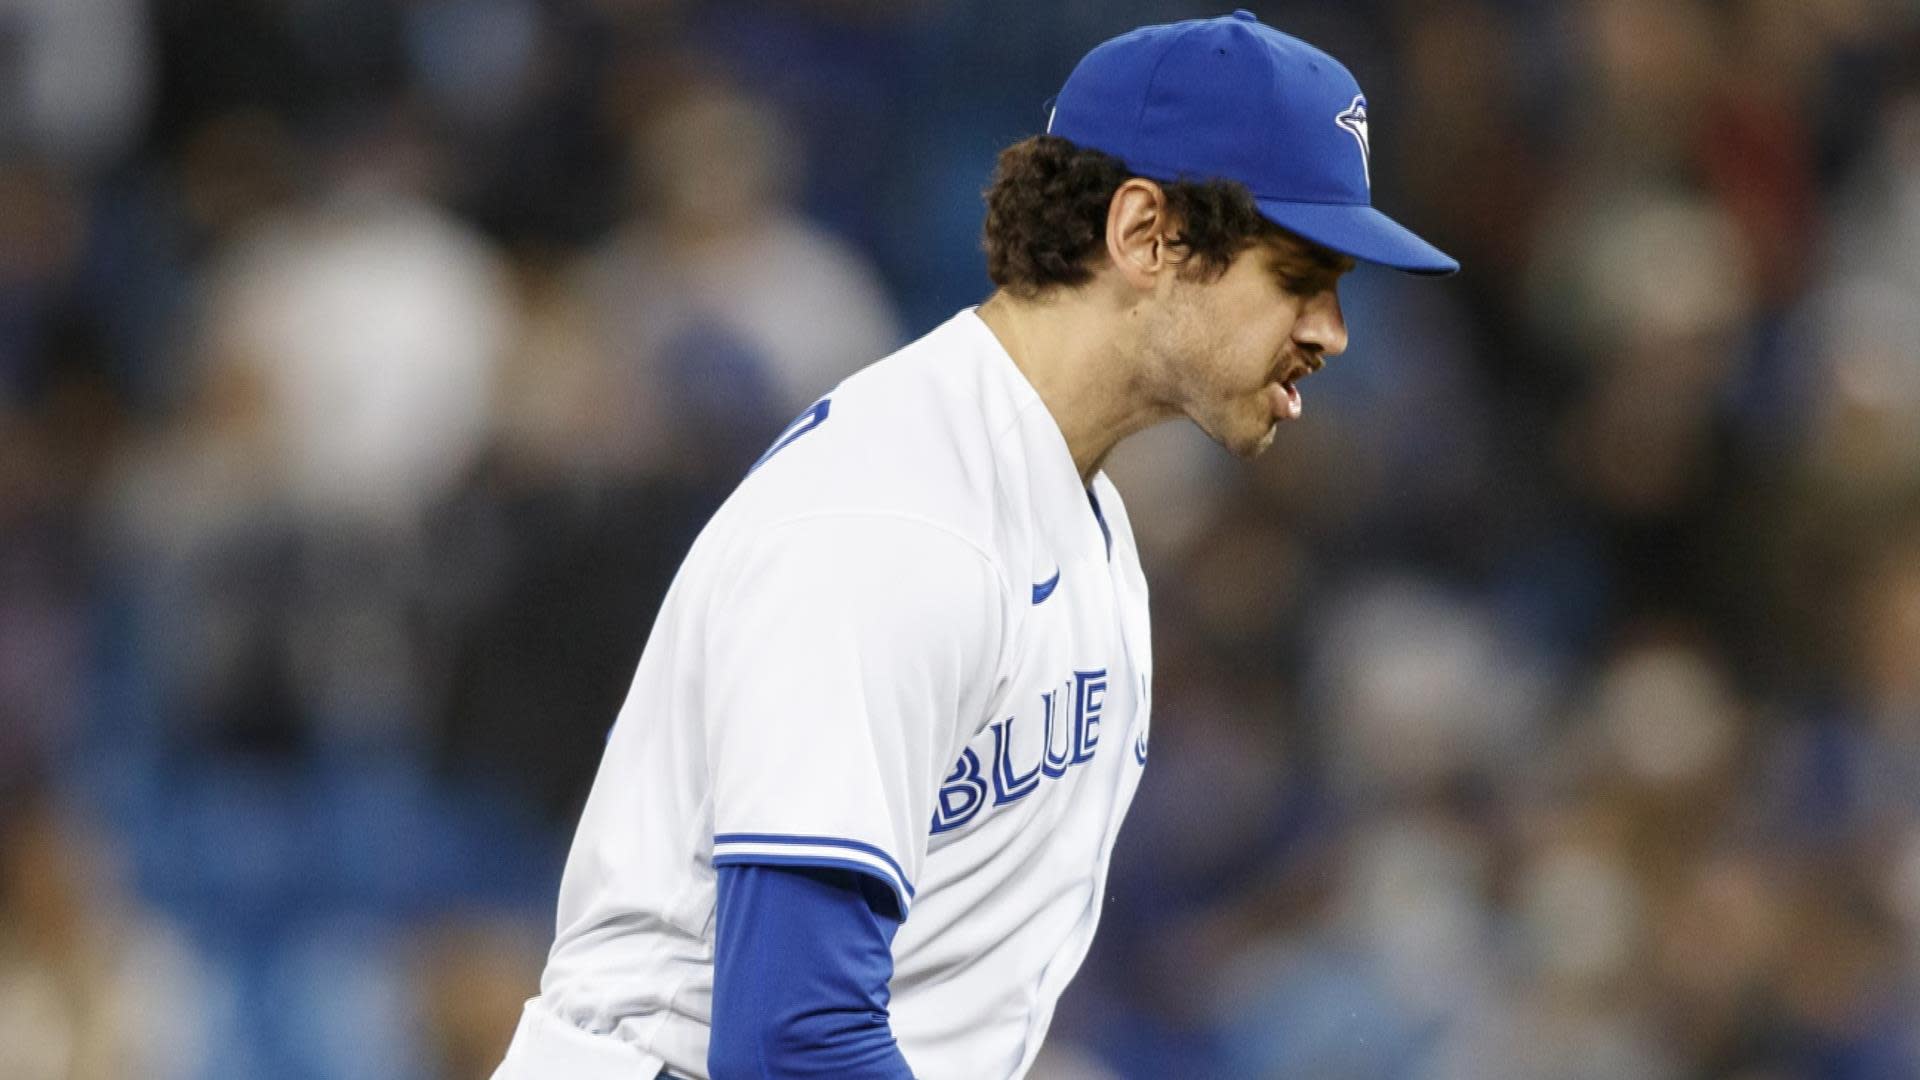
column 1285, row 404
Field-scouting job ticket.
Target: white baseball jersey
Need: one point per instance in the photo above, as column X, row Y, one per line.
column 911, row 643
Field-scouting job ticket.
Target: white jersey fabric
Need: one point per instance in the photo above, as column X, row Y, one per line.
column 912, row 643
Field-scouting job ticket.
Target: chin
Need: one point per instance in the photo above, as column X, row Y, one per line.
column 1245, row 437
column 1246, row 449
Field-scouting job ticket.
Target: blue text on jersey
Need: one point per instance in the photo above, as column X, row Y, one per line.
column 1066, row 741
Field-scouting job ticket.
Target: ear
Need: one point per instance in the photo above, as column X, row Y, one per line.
column 1139, row 227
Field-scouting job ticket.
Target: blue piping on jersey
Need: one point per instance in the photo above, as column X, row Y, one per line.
column 902, row 892
column 1044, row 589
column 815, row 415
column 1102, row 519
column 815, row 841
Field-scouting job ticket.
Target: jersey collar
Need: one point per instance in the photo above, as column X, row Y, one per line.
column 1062, row 508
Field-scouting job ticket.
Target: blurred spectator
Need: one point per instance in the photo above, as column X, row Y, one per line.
column 553, row 554
column 79, row 78
column 350, row 348
column 92, row 986
column 374, row 326
column 1419, row 693
column 728, row 311
column 42, row 225
column 45, row 465
column 473, row 974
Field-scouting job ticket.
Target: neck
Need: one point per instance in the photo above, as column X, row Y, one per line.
column 1089, row 379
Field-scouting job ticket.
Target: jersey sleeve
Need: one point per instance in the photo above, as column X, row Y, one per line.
column 848, row 659
column 802, row 958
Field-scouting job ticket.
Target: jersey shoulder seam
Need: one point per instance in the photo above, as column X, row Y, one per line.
column 972, row 545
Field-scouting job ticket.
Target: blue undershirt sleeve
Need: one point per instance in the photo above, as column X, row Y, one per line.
column 802, row 956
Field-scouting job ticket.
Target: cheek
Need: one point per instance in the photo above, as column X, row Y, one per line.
column 1259, row 326
column 1257, row 345
column 1276, row 327
column 1227, row 340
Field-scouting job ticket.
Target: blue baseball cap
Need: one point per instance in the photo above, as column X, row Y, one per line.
column 1234, row 99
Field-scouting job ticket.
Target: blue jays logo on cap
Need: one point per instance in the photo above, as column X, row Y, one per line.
column 1233, row 99
column 1355, row 120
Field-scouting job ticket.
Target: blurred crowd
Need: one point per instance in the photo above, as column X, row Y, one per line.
column 1545, row 705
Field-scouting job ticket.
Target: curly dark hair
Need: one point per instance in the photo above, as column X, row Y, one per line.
column 1047, row 216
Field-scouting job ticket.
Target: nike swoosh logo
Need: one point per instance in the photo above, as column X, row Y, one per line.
column 1044, row 589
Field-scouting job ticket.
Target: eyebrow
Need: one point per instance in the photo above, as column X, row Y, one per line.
column 1325, row 258
column 1289, row 258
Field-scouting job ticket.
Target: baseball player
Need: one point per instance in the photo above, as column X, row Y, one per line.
column 855, row 817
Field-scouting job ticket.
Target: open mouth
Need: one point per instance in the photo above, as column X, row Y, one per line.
column 1283, row 391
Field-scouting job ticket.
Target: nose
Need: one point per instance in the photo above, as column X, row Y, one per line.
column 1321, row 327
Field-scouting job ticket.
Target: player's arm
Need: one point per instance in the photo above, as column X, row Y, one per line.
column 801, row 963
column 847, row 660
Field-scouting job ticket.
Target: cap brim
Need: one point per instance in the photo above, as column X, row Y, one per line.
column 1359, row 231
